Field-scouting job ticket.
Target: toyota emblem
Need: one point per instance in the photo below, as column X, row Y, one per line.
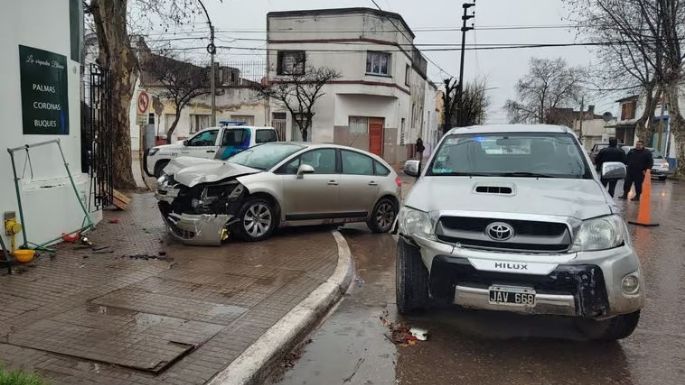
column 499, row 231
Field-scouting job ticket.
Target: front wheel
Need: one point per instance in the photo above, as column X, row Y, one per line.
column 382, row 216
column 612, row 329
column 256, row 220
column 411, row 278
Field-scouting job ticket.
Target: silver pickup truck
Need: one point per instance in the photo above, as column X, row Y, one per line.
column 514, row 218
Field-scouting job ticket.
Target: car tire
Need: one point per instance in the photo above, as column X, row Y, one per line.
column 256, row 220
column 159, row 167
column 382, row 216
column 613, row 329
column 411, row 278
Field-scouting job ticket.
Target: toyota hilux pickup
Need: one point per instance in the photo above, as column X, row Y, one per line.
column 515, row 218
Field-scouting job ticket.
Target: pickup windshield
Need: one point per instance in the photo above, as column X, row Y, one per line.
column 265, row 156
column 523, row 155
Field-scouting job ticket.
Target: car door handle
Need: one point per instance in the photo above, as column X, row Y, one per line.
column 332, row 183
column 373, row 183
column 210, row 151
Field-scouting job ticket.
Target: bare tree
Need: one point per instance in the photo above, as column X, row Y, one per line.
column 110, row 19
column 472, row 106
column 182, row 82
column 298, row 94
column 650, row 35
column 549, row 84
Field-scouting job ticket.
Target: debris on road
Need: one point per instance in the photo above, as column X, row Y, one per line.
column 400, row 333
column 114, row 220
column 162, row 256
column 71, row 238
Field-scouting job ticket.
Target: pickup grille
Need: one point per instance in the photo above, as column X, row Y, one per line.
column 529, row 236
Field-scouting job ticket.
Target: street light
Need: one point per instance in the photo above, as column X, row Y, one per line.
column 211, row 49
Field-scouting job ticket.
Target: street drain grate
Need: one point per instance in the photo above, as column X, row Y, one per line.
column 122, row 337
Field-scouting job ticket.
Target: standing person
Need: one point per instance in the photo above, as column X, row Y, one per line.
column 419, row 148
column 639, row 161
column 610, row 154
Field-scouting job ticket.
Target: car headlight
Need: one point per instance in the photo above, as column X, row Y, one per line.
column 415, row 223
column 153, row 151
column 600, row 234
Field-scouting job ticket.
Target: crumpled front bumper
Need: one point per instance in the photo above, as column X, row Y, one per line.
column 198, row 230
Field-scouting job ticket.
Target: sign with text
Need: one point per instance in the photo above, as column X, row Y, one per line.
column 44, row 92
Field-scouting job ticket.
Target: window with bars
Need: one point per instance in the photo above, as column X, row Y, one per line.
column 291, row 62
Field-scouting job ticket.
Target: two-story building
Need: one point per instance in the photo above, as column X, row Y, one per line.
column 381, row 102
column 631, row 109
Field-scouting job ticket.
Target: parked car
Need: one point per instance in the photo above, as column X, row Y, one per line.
column 210, row 143
column 531, row 231
column 661, row 168
column 274, row 185
column 597, row 148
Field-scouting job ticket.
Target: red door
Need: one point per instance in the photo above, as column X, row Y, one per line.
column 376, row 136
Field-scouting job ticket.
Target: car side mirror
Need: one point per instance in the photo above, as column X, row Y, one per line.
column 304, row 169
column 613, row 170
column 185, row 142
column 412, row 167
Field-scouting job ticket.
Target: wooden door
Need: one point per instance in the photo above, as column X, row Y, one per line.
column 376, row 136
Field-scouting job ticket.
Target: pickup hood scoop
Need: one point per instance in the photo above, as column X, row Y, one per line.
column 192, row 171
column 568, row 198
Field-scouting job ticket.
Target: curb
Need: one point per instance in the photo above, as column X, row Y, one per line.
column 254, row 364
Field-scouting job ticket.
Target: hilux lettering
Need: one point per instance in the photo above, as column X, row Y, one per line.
column 511, row 266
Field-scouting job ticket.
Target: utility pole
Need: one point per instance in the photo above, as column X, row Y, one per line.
column 580, row 130
column 460, row 86
column 211, row 49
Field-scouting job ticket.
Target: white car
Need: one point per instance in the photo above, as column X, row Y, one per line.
column 210, row 143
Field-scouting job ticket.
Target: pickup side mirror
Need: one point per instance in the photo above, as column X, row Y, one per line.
column 185, row 142
column 613, row 170
column 304, row 169
column 412, row 167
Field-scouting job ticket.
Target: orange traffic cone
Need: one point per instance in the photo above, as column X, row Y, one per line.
column 644, row 214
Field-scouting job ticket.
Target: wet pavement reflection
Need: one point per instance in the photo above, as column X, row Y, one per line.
column 480, row 347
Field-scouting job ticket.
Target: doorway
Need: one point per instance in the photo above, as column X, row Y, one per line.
column 376, row 136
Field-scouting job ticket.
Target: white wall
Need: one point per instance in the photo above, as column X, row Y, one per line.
column 49, row 202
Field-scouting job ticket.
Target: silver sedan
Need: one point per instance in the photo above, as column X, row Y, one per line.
column 276, row 185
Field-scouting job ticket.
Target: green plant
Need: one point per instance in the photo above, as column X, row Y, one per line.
column 19, row 378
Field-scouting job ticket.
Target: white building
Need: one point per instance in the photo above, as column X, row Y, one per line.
column 235, row 101
column 40, row 100
column 630, row 110
column 381, row 102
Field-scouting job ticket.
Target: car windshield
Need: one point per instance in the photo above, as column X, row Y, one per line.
column 265, row 156
column 537, row 155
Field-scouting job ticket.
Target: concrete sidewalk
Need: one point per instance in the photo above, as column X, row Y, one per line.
column 147, row 310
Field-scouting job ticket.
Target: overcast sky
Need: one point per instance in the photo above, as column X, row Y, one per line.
column 243, row 18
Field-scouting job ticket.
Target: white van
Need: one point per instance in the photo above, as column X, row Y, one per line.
column 210, row 143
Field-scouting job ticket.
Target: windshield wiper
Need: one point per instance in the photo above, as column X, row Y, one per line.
column 462, row 174
column 525, row 174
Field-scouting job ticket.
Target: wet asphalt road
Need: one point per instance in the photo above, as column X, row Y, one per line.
column 478, row 347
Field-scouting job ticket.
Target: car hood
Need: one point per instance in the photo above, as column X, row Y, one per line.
column 568, row 198
column 174, row 146
column 193, row 171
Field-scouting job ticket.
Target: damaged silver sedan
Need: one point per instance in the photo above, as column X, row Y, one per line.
column 204, row 202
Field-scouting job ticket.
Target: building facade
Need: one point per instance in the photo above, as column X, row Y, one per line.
column 631, row 108
column 382, row 101
column 40, row 100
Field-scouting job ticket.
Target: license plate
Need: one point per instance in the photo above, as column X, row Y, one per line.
column 512, row 295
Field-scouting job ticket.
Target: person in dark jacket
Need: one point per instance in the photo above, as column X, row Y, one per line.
column 639, row 161
column 419, row 148
column 610, row 154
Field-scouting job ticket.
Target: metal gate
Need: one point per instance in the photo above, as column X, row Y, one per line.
column 97, row 118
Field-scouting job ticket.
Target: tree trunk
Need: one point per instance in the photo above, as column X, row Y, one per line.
column 677, row 123
column 645, row 124
column 116, row 55
column 172, row 128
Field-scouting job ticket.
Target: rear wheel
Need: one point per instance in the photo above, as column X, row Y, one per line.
column 159, row 167
column 411, row 277
column 612, row 329
column 383, row 216
column 256, row 220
